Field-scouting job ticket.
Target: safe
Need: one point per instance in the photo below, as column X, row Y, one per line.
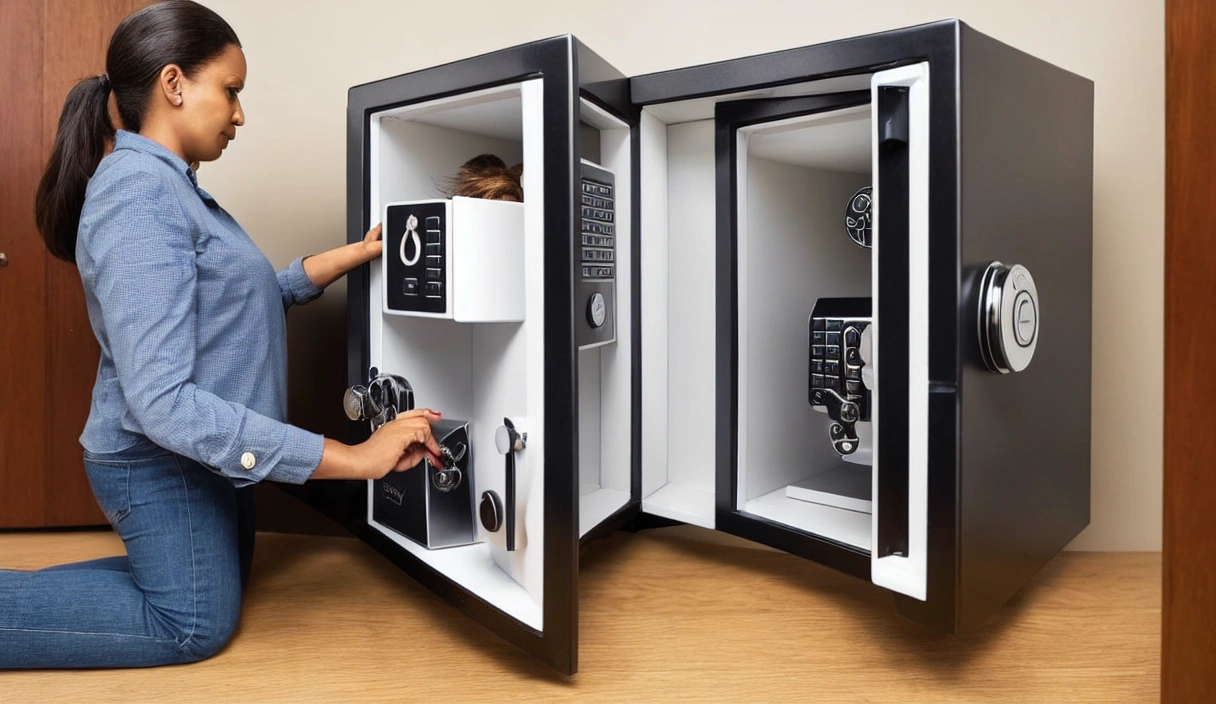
column 835, row 300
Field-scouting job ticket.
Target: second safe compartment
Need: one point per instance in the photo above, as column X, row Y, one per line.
column 803, row 284
column 801, row 154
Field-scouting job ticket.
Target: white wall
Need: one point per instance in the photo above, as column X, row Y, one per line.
column 284, row 177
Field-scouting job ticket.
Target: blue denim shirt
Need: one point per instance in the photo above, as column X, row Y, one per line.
column 191, row 319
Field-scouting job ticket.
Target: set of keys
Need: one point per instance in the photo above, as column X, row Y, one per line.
column 449, row 476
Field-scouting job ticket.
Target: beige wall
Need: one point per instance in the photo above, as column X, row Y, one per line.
column 284, row 177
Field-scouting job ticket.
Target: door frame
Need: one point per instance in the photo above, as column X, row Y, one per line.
column 1188, row 610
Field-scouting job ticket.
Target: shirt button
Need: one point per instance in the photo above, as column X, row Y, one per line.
column 248, row 460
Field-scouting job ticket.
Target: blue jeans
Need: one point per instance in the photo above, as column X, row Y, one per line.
column 175, row 597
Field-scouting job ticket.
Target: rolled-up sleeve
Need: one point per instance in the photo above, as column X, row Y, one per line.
column 295, row 285
column 141, row 266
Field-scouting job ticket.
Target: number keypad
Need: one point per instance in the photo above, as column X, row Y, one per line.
column 835, row 364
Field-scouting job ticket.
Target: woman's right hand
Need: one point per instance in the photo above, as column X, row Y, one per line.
column 395, row 447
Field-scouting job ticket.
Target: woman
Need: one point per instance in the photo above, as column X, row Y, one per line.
column 191, row 393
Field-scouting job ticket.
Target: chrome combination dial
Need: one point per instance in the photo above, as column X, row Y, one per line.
column 1009, row 313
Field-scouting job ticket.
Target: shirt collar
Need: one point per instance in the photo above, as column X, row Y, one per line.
column 139, row 143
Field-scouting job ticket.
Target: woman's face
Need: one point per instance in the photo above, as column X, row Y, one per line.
column 211, row 110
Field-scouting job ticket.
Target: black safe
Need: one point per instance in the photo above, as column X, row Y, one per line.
column 693, row 399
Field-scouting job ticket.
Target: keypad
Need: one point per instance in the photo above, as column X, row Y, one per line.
column 598, row 233
column 416, row 261
column 836, row 362
column 434, row 259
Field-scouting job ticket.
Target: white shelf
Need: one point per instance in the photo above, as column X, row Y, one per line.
column 847, row 486
column 597, row 505
column 682, row 503
column 473, row 567
column 844, row 526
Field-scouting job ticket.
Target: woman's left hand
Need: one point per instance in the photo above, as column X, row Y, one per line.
column 327, row 267
column 371, row 245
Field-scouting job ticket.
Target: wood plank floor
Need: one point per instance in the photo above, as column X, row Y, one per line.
column 677, row 614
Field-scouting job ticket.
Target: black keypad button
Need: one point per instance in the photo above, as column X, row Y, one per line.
column 434, row 289
column 816, row 366
column 817, row 323
column 434, row 237
column 817, row 351
column 852, row 338
column 434, row 274
column 432, row 223
column 434, row 248
column 434, row 262
column 833, row 338
column 835, row 324
column 817, row 381
column 410, row 287
column 852, row 356
column 853, row 387
column 852, row 372
column 832, row 368
column 831, row 383
column 831, row 352
column 818, row 398
column 816, row 338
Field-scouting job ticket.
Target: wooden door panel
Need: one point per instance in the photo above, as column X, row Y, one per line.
column 77, row 35
column 48, row 356
column 22, row 281
column 1189, row 578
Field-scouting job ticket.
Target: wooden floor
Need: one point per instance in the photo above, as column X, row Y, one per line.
column 678, row 614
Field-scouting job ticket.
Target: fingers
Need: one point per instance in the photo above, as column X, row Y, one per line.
column 430, row 415
column 432, row 447
column 373, row 234
column 414, row 454
column 410, row 459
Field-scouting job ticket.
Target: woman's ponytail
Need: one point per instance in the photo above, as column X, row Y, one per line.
column 179, row 32
column 80, row 143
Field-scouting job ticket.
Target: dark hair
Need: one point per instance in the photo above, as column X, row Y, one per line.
column 177, row 32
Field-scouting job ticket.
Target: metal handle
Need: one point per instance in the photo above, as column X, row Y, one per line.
column 3, row 259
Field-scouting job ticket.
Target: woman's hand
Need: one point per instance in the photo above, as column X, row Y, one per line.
column 372, row 245
column 395, row 447
column 327, row 267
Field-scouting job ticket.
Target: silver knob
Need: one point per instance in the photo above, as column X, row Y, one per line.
column 3, row 259
column 507, row 439
column 1009, row 314
column 355, row 403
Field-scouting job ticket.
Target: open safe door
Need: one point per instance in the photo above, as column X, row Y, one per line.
column 494, row 222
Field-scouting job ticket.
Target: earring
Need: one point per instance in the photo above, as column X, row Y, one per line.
column 178, row 101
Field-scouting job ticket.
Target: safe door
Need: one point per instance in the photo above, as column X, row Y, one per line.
column 504, row 299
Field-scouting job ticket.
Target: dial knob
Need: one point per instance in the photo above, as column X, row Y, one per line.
column 490, row 511
column 354, row 402
column 1009, row 313
column 597, row 310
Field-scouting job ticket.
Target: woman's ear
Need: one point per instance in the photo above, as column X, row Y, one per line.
column 171, row 80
